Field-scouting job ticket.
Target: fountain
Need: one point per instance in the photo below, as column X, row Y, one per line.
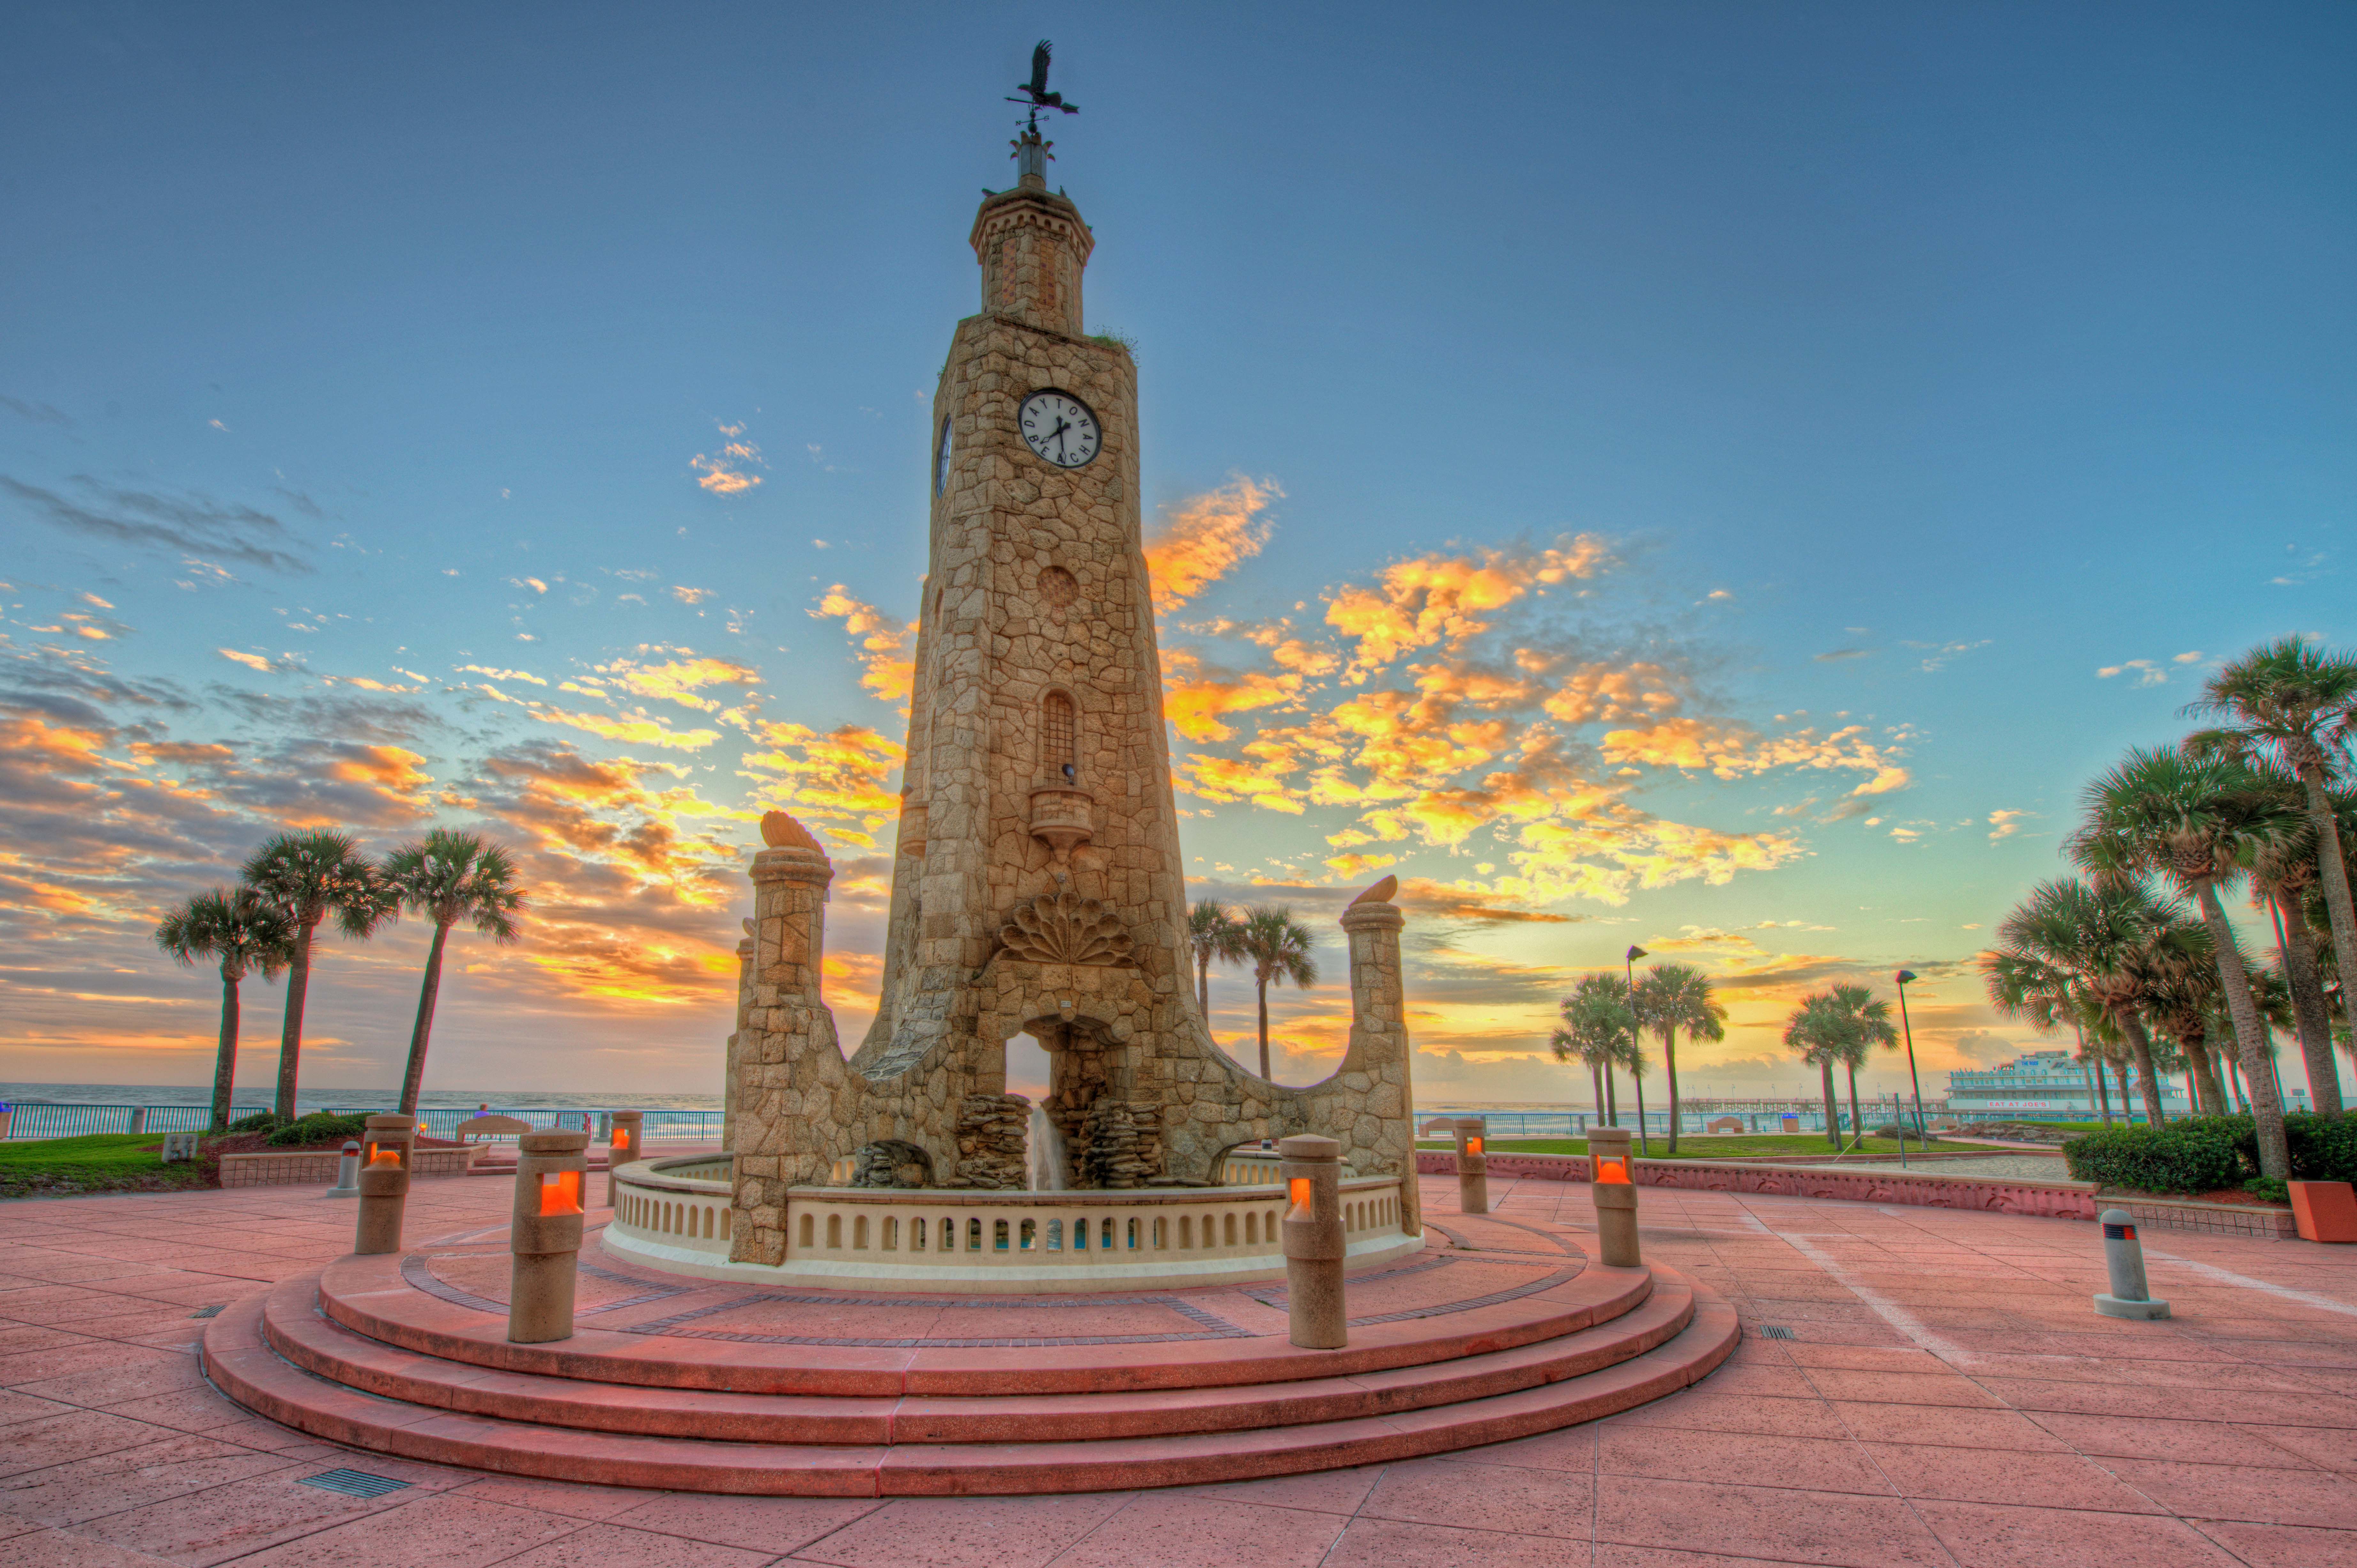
column 1046, row 1153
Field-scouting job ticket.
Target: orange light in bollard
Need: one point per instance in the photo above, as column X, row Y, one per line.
column 1473, row 1145
column 1299, row 1188
column 621, row 1139
column 560, row 1192
column 1612, row 1170
column 383, row 1155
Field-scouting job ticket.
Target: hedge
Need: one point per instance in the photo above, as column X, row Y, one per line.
column 2209, row 1153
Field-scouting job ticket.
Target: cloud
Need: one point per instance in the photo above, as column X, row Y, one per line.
column 1840, row 653
column 2193, row 657
column 834, row 779
column 2148, row 672
column 1446, row 599
column 725, row 475
column 192, row 526
column 34, row 412
column 679, row 679
column 2004, row 824
column 885, row 642
column 497, row 674
column 1203, row 539
column 691, row 595
column 286, row 664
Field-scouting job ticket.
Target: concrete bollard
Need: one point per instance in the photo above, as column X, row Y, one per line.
column 385, row 1146
column 2131, row 1294
column 1612, row 1188
column 544, row 1235
column 348, row 1173
column 624, row 1147
column 1472, row 1165
column 1313, row 1244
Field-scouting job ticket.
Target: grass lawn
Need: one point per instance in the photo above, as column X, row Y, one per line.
column 1728, row 1145
column 102, row 1162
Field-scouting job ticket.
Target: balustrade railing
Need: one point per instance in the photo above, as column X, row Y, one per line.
column 28, row 1121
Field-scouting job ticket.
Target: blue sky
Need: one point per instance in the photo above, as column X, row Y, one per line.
column 1902, row 369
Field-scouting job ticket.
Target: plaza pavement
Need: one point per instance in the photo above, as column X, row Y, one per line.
column 1946, row 1397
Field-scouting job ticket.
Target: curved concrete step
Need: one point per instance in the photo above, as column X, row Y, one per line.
column 372, row 1296
column 295, row 1329
column 241, row 1363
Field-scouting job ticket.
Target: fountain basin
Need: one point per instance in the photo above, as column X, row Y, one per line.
column 675, row 1214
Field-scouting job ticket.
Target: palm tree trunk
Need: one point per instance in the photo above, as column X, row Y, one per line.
column 1670, row 1060
column 1638, row 1080
column 2103, row 1098
column 1833, row 1107
column 290, row 1033
column 1611, row 1096
column 1856, row 1122
column 413, row 1077
column 2140, row 1048
column 225, row 1061
column 1595, row 1082
column 2333, row 871
column 2296, row 944
column 1203, row 990
column 2120, row 1072
column 2202, row 1069
column 2250, row 1039
column 1264, row 1027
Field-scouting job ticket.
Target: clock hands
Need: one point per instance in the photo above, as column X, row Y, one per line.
column 1062, row 424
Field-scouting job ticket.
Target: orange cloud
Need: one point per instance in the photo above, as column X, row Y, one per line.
column 677, row 680
column 838, row 778
column 1204, row 539
column 885, row 645
column 1448, row 599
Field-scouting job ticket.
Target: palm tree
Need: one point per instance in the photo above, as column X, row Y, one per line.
column 1862, row 1023
column 1632, row 1054
column 1674, row 996
column 1278, row 946
column 2101, row 936
column 2281, row 875
column 1811, row 1033
column 1214, row 933
column 1596, row 1027
column 310, row 877
column 449, row 877
column 2199, row 822
column 2295, row 703
column 244, row 931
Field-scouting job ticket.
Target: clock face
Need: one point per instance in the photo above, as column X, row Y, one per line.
column 1059, row 428
column 941, row 460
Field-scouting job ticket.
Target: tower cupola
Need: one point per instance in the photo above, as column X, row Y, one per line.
column 1032, row 246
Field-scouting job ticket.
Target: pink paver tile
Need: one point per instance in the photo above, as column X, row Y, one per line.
column 2321, row 1498
column 1762, row 1521
column 1900, row 1388
column 1160, row 1527
column 136, row 1374
column 755, row 1524
column 1984, row 1535
column 574, row 1501
column 226, row 1521
column 1705, row 1409
column 1952, row 1426
column 1990, row 1476
column 2191, row 1442
column 610, row 1546
column 1571, row 1450
column 58, row 1439
column 2327, row 1447
column 443, row 1530
column 15, row 1407
column 113, row 1482
column 1319, row 1491
column 1528, row 1501
column 63, row 1548
column 2284, row 1545
column 1809, row 1464
column 965, row 1532
column 1391, row 1543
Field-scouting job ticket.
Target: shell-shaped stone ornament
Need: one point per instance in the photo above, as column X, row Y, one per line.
column 1064, row 927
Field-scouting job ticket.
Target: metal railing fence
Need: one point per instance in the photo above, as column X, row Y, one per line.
column 28, row 1121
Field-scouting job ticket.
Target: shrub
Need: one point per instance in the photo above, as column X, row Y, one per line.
column 2268, row 1187
column 2197, row 1154
column 260, row 1122
column 318, row 1127
column 2206, row 1153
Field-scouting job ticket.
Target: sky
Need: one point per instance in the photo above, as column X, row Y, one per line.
column 1708, row 477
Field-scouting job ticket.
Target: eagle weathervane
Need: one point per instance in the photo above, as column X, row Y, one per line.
column 1035, row 91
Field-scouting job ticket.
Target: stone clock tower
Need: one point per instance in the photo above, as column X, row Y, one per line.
column 1037, row 883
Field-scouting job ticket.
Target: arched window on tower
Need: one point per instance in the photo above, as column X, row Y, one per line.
column 1058, row 750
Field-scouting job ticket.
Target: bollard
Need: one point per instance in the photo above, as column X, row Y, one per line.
column 1472, row 1165
column 1314, row 1246
column 385, row 1146
column 629, row 1126
column 551, row 1179
column 2130, row 1296
column 1612, row 1187
column 348, row 1173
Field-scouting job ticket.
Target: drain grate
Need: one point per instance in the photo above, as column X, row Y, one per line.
column 1774, row 1331
column 212, row 1311
column 353, row 1483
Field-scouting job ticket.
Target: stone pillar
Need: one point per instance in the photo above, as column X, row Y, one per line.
column 1382, row 1133
column 348, row 1173
column 785, row 1099
column 2131, row 1295
column 626, row 1146
column 1472, row 1167
column 544, row 1235
column 385, row 1146
column 1615, row 1195
column 1315, row 1246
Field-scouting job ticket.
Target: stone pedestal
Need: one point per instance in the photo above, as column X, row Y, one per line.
column 1314, row 1246
column 628, row 1145
column 1472, row 1165
column 387, row 1144
column 544, row 1235
column 1614, row 1190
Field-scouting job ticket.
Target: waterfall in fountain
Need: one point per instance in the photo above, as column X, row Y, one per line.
column 1046, row 1153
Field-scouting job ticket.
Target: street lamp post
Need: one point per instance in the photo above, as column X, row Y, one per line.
column 1636, row 1046
column 1904, row 976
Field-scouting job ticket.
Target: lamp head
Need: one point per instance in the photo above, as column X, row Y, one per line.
column 1635, row 954
column 1905, row 975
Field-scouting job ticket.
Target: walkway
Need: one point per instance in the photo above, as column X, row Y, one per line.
column 1945, row 1397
